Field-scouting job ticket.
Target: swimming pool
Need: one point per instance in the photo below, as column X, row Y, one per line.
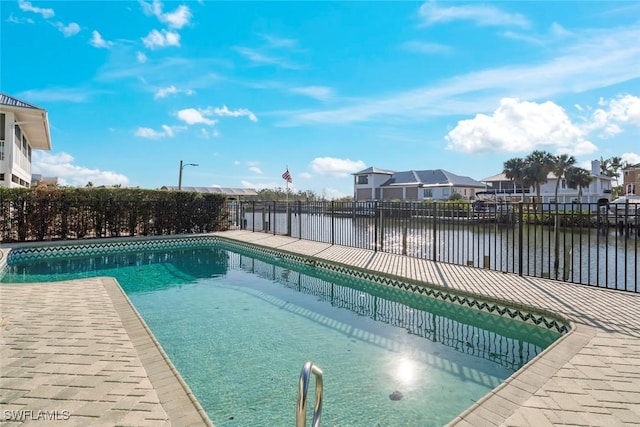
column 239, row 322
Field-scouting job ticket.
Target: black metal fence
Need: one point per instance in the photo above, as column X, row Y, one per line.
column 590, row 244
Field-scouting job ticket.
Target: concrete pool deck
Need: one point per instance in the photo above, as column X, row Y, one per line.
column 80, row 348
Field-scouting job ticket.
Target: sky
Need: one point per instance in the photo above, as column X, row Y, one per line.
column 246, row 90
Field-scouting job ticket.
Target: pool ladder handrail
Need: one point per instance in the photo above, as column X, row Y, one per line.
column 303, row 387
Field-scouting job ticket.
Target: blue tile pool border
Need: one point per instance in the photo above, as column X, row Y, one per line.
column 62, row 250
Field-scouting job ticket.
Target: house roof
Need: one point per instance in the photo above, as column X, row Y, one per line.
column 374, row 170
column 496, row 178
column 215, row 190
column 32, row 120
column 431, row 178
column 636, row 166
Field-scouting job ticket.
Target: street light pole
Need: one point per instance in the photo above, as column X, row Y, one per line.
column 182, row 166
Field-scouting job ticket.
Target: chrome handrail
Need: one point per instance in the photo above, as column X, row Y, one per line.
column 303, row 387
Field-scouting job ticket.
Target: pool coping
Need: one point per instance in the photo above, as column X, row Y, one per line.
column 175, row 396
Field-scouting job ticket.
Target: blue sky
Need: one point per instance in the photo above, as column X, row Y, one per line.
column 246, row 89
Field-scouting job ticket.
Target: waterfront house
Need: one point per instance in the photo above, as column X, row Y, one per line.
column 434, row 184
column 23, row 128
column 501, row 188
column 631, row 180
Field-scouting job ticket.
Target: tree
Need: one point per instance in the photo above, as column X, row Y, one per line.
column 514, row 170
column 559, row 166
column 611, row 167
column 537, row 166
column 578, row 178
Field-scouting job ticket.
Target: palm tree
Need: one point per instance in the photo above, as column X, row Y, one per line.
column 578, row 178
column 537, row 166
column 514, row 170
column 559, row 167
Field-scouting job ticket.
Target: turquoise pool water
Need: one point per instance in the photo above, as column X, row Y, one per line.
column 238, row 326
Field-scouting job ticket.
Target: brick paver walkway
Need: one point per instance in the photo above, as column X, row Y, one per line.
column 591, row 377
column 77, row 352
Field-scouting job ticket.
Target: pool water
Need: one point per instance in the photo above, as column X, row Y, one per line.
column 239, row 326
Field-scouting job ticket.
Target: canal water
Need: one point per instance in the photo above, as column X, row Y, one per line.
column 584, row 255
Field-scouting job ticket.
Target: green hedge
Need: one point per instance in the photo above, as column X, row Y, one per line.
column 51, row 213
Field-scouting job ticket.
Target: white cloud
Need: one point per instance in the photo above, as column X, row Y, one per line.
column 156, row 39
column 277, row 42
column 206, row 133
column 255, row 169
column 163, row 92
column 305, row 175
column 98, row 41
column 73, row 94
column 336, row 167
column 321, row 93
column 68, row 30
column 176, row 19
column 61, row 165
column 17, row 20
column 170, row 90
column 416, row 46
column 141, row 57
column 519, row 126
column 632, row 158
column 167, row 131
column 612, row 114
column 485, row 15
column 597, row 59
column 28, row 7
column 261, row 58
column 192, row 116
column 224, row 111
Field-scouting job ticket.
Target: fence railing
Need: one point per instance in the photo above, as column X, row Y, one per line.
column 584, row 243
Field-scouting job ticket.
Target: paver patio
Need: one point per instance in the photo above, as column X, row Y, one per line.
column 79, row 346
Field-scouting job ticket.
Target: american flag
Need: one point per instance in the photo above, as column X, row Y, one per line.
column 287, row 176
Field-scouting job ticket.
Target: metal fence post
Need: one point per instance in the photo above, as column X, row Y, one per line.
column 434, row 240
column 375, row 226
column 520, row 238
column 299, row 219
column 275, row 217
column 333, row 217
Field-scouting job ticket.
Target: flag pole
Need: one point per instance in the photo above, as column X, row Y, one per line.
column 287, row 195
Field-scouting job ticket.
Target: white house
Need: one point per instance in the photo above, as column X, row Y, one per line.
column 499, row 187
column 437, row 184
column 23, row 128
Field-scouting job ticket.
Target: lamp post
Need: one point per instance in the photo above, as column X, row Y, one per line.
column 182, row 166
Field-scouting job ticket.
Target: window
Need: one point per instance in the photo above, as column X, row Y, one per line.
column 1, row 150
column 631, row 189
column 2, row 125
column 563, row 184
column 363, row 179
column 24, row 144
column 18, row 133
column 427, row 192
column 446, row 191
column 29, row 153
column 1, row 177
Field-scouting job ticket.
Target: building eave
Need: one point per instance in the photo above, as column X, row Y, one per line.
column 34, row 122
